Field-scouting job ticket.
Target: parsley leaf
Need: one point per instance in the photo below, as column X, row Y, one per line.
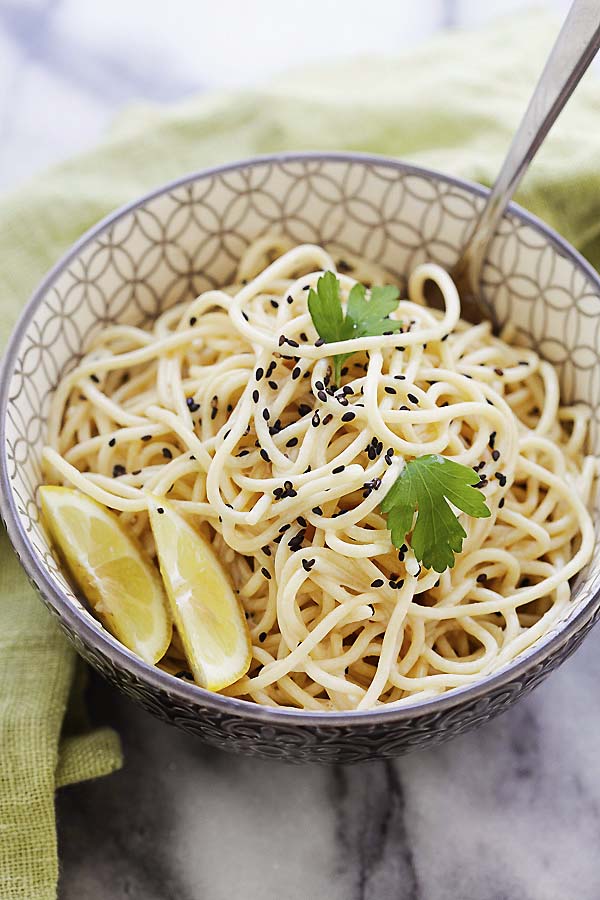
column 424, row 486
column 363, row 318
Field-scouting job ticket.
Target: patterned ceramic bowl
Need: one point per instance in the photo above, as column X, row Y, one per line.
column 187, row 236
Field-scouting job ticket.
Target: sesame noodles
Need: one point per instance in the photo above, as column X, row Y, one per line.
column 227, row 408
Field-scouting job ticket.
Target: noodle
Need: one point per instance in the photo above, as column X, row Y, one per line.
column 226, row 407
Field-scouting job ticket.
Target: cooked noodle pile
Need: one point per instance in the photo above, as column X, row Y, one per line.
column 226, row 406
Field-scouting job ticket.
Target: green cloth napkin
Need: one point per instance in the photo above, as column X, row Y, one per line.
column 452, row 105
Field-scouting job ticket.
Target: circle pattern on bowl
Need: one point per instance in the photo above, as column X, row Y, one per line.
column 188, row 238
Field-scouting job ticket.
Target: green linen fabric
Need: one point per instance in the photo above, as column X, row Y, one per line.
column 451, row 104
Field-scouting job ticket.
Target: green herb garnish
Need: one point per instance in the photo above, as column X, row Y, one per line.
column 424, row 486
column 363, row 318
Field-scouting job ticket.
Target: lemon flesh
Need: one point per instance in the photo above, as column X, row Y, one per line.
column 117, row 579
column 208, row 615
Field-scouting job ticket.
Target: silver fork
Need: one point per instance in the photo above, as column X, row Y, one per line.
column 573, row 51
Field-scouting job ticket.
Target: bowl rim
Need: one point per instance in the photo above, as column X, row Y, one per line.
column 192, row 694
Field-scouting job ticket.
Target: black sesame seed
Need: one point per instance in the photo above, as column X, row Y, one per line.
column 167, row 453
column 317, row 510
column 266, row 415
column 259, row 373
column 159, row 510
column 296, row 372
column 265, row 456
column 112, row 442
column 306, row 287
column 289, row 298
column 482, row 578
column 273, row 385
column 245, row 315
column 327, row 418
column 213, row 413
column 315, row 420
column 303, row 409
column 266, row 550
column 390, row 390
column 118, row 470
column 495, row 455
column 322, row 396
column 377, row 583
column 292, row 442
column 412, row 398
column 266, row 573
column 255, row 396
column 295, row 543
column 319, row 342
column 287, row 526
column 243, row 453
column 301, row 521
column 282, row 340
column 95, row 379
column 499, row 371
column 137, row 472
column 274, row 304
column 337, row 470
column 262, row 636
column 400, row 377
column 193, row 320
column 347, row 417
column 184, row 674
column 501, row 503
column 293, row 343
column 492, row 439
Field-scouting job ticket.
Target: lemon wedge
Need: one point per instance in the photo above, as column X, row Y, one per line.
column 208, row 615
column 111, row 569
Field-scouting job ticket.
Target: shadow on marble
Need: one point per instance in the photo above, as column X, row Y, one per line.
column 510, row 812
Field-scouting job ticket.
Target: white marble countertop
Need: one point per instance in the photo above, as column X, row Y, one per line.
column 509, row 812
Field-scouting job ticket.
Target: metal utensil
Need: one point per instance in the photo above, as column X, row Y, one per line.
column 573, row 51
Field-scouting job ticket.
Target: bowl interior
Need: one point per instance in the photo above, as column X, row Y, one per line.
column 189, row 236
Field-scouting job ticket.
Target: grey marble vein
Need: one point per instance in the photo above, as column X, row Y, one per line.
column 376, row 857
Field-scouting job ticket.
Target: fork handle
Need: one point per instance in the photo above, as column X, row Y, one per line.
column 575, row 47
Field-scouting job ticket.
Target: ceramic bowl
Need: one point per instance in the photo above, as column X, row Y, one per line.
column 186, row 237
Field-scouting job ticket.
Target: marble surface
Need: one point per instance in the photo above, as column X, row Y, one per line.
column 510, row 812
